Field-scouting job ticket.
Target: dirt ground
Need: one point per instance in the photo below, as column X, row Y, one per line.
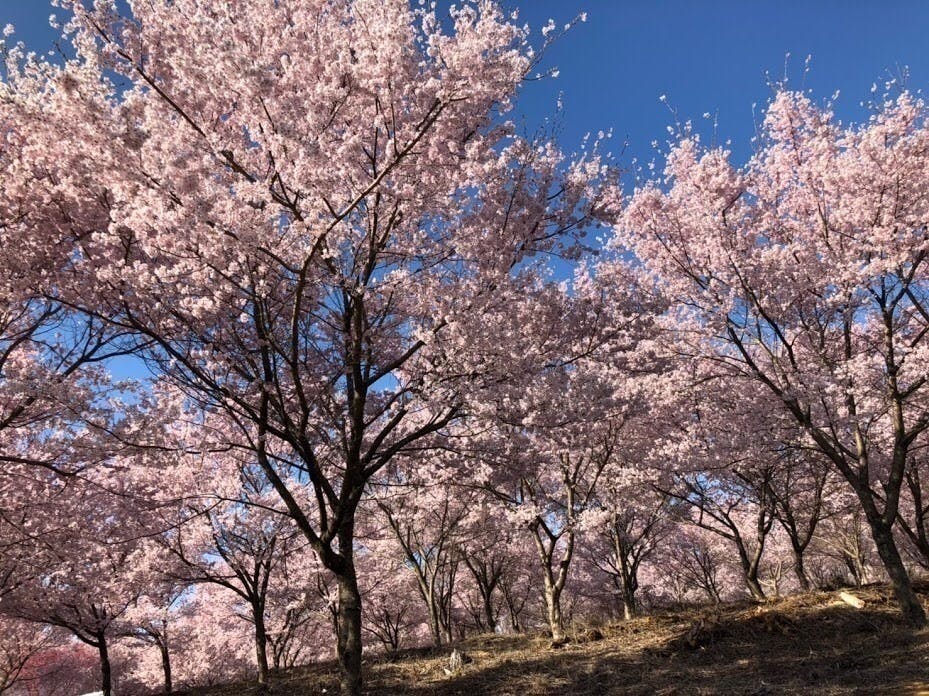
column 805, row 644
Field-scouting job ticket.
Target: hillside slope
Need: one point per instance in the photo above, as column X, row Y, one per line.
column 804, row 644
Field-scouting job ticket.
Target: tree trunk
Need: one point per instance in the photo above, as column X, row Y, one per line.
column 907, row 600
column 487, row 576
column 629, row 603
column 166, row 666
column 629, row 578
column 489, row 612
column 106, row 673
column 349, row 636
column 554, row 583
column 513, row 611
column 435, row 624
column 750, row 572
column 917, row 531
column 553, row 607
column 800, row 571
column 754, row 587
column 447, row 630
column 261, row 643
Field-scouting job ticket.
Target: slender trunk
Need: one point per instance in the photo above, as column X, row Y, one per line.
column 855, row 567
column 750, row 572
column 800, row 571
column 629, row 603
column 907, row 600
column 628, row 578
column 487, row 576
column 882, row 525
column 553, row 607
column 447, row 628
column 446, row 593
column 435, row 623
column 349, row 636
column 512, row 608
column 166, row 666
column 882, row 534
column 489, row 618
column 754, row 587
column 106, row 674
column 916, row 532
column 261, row 643
column 554, row 582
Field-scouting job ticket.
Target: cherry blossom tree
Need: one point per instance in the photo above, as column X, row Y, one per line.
column 217, row 647
column 696, row 562
column 61, row 670
column 724, row 485
column 52, row 358
column 557, row 434
column 519, row 589
column 20, row 642
column 392, row 593
column 913, row 517
column 86, row 587
column 229, row 534
column 301, row 230
column 803, row 273
column 296, row 618
column 151, row 620
column 427, row 524
column 727, row 508
column 629, row 527
column 491, row 553
column 803, row 492
column 557, row 470
column 843, row 543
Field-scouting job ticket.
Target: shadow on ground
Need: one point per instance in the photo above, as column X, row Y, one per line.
column 808, row 644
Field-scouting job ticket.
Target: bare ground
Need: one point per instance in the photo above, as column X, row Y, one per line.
column 804, row 644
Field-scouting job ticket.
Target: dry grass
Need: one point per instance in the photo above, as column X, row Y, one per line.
column 805, row 644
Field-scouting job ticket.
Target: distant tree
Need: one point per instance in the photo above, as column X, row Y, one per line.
column 632, row 523
column 427, row 523
column 226, row 531
column 20, row 642
column 84, row 578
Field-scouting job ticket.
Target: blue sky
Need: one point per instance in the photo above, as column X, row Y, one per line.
column 705, row 55
column 710, row 56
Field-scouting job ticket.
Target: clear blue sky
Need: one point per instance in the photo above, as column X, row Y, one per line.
column 705, row 55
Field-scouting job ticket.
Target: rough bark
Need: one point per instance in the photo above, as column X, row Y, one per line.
column 106, row 671
column 261, row 642
column 166, row 667
column 908, row 601
column 553, row 610
column 630, row 606
column 349, row 635
column 800, row 571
